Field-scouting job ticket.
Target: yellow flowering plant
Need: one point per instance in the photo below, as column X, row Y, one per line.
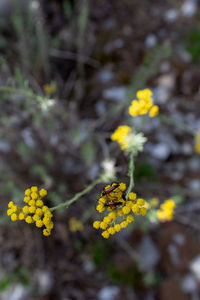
column 33, row 211
column 166, row 211
column 118, row 202
column 120, row 210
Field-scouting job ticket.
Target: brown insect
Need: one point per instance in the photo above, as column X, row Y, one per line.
column 113, row 204
column 110, row 189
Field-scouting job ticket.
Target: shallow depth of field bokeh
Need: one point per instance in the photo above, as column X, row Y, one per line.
column 68, row 73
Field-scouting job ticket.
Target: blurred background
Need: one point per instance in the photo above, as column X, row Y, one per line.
column 68, row 71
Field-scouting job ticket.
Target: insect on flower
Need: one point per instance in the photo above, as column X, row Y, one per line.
column 113, row 204
column 110, row 189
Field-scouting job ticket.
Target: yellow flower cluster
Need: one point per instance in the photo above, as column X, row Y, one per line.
column 128, row 139
column 75, row 225
column 166, row 211
column 118, row 207
column 197, row 143
column 34, row 211
column 121, row 135
column 143, row 105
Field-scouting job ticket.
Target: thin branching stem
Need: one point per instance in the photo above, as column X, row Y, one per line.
column 67, row 203
column 25, row 93
column 131, row 174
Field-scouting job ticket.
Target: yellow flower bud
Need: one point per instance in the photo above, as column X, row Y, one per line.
column 25, row 209
column 103, row 225
column 45, row 209
column 10, row 204
column 143, row 211
column 124, row 224
column 117, row 227
column 29, row 220
column 135, row 209
column 105, row 234
column 140, row 202
column 43, row 192
column 154, row 111
column 32, row 209
column 39, row 212
column 130, row 219
column 132, row 196
column 39, row 223
column 122, row 186
column 46, row 232
column 14, row 217
column 126, row 210
column 34, row 196
column 27, row 192
column 96, row 224
column 36, row 217
column 21, row 216
column 111, row 230
column 39, row 203
column 27, row 199
column 32, row 203
column 34, row 189
column 9, row 212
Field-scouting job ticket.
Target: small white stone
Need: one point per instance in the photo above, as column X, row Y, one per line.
column 174, row 255
column 149, row 254
column 189, row 284
column 108, row 293
column 161, row 151
column 115, row 93
column 195, row 267
column 189, row 8
column 179, row 239
column 171, row 15
column 151, row 40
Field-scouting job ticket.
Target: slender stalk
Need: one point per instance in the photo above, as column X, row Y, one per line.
column 178, row 124
column 9, row 89
column 67, row 203
column 28, row 94
column 131, row 174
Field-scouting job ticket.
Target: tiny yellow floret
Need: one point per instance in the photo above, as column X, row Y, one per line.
column 96, row 224
column 14, row 217
column 105, row 234
column 25, row 209
column 34, row 196
column 32, row 209
column 27, row 192
column 43, row 192
column 21, row 216
column 27, row 199
column 34, row 189
column 10, row 204
column 29, row 220
column 154, row 111
column 39, row 203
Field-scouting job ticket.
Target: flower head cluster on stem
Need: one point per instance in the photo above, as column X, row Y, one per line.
column 128, row 139
column 166, row 211
column 34, row 210
column 143, row 104
column 121, row 211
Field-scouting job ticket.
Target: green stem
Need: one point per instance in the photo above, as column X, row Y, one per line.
column 28, row 94
column 67, row 203
column 180, row 125
column 131, row 174
column 9, row 89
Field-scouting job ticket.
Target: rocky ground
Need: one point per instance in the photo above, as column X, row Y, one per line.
column 98, row 56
